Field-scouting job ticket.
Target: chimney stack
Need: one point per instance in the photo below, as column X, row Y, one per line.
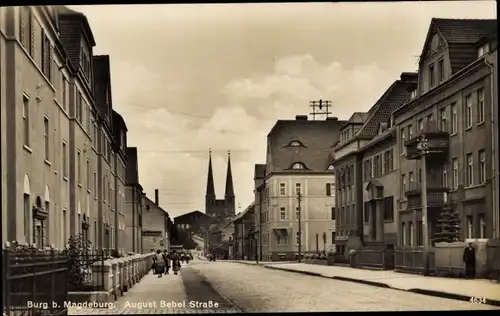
column 301, row 117
column 157, row 198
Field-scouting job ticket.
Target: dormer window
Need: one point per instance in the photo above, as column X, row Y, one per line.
column 413, row 94
column 483, row 50
column 298, row 166
column 295, row 143
column 331, row 168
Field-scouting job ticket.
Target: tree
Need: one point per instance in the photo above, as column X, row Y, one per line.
column 448, row 224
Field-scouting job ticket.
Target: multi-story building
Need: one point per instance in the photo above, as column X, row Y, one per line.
column 446, row 143
column 245, row 238
column 50, row 140
column 156, row 224
column 220, row 209
column 3, row 122
column 120, row 164
column 259, row 198
column 299, row 161
column 364, row 165
column 133, row 207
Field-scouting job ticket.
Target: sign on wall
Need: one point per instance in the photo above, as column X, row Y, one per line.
column 151, row 233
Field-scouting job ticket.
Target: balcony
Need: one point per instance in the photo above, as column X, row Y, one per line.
column 436, row 197
column 430, row 141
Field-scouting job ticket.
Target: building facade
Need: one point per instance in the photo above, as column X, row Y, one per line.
column 155, row 230
column 299, row 163
column 220, row 209
column 364, row 167
column 452, row 118
column 133, row 208
column 50, row 146
column 259, row 199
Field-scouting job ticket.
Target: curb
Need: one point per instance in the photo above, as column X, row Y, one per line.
column 298, row 271
column 453, row 296
column 365, row 282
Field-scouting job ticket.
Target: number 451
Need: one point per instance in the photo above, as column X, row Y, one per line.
column 478, row 300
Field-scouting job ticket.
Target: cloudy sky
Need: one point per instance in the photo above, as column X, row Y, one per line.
column 188, row 78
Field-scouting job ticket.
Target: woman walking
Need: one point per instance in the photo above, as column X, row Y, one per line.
column 159, row 263
column 176, row 262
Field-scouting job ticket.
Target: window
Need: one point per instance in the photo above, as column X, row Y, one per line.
column 430, row 118
column 282, row 213
column 410, row 131
column 468, row 111
column 454, row 178
column 431, row 76
column 64, row 161
column 282, row 189
column 413, row 93
column 484, row 49
column 26, row 120
column 333, row 238
column 295, row 143
column 388, row 204
column 442, row 120
column 330, row 189
column 441, row 70
column 88, row 175
column 298, row 165
column 421, row 124
column 403, row 184
column 444, row 176
column 332, row 213
column 297, row 213
column 420, row 231
column 46, row 137
column 65, row 92
column 410, row 180
column 480, row 105
column 79, row 167
column 366, row 169
column 46, row 56
column 470, row 230
column 385, row 162
column 391, row 161
column 482, row 227
column 27, row 217
column 94, row 187
column 78, row 106
column 298, row 189
column 65, row 228
column 454, row 118
column 88, row 119
column 297, row 238
column 412, row 233
column 376, row 166
column 470, row 170
column 482, row 166
column 403, row 234
column 25, row 27
column 403, row 148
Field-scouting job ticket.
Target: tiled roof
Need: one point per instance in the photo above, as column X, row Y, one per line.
column 358, row 117
column 462, row 37
column 260, row 171
column 191, row 214
column 469, row 31
column 317, row 137
column 393, row 98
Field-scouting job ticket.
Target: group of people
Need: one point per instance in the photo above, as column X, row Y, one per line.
column 163, row 261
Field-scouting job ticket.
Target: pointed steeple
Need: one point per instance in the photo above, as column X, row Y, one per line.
column 229, row 178
column 210, row 180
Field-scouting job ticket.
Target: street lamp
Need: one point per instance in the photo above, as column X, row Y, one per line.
column 423, row 148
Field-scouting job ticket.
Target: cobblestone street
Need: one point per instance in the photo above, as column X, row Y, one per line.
column 257, row 289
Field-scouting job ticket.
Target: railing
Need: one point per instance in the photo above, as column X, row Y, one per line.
column 81, row 277
column 377, row 258
column 34, row 282
column 411, row 259
column 493, row 263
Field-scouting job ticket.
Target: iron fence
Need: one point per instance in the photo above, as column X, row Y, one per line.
column 83, row 268
column 34, row 282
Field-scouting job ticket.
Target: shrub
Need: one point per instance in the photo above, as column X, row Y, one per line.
column 322, row 256
column 316, row 256
column 75, row 251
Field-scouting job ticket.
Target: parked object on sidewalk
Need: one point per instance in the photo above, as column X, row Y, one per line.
column 470, row 261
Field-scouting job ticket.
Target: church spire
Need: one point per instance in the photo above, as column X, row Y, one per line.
column 210, row 181
column 229, row 178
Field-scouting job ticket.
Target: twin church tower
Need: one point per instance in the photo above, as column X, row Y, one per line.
column 223, row 208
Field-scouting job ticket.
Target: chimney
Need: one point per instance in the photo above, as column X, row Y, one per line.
column 409, row 76
column 301, row 118
column 157, row 198
column 332, row 118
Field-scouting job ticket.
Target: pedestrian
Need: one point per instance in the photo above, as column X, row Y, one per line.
column 470, row 261
column 166, row 258
column 159, row 263
column 176, row 262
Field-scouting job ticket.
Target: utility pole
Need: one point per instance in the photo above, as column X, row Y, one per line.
column 320, row 107
column 299, row 209
column 423, row 144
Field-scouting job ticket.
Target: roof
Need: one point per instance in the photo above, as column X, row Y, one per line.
column 191, row 214
column 393, row 98
column 260, row 171
column 462, row 36
column 316, row 136
column 119, row 120
column 242, row 214
column 357, row 118
column 149, row 201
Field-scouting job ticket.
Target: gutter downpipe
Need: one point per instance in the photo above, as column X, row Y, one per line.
column 494, row 144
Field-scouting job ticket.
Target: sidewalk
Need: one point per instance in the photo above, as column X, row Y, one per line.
column 152, row 295
column 459, row 289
